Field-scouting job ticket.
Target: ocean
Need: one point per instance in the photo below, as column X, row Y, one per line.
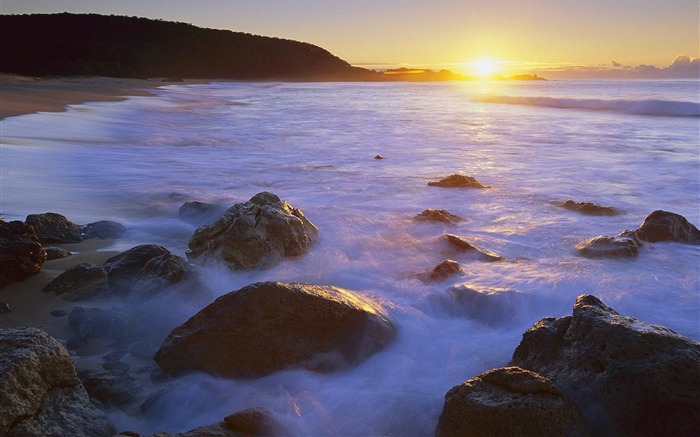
column 633, row 145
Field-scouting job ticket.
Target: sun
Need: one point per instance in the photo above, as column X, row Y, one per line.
column 483, row 67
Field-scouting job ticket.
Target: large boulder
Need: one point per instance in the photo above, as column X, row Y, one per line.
column 457, row 181
column 56, row 228
column 21, row 255
column 510, row 401
column 668, row 226
column 254, row 234
column 628, row 377
column 270, row 326
column 40, row 393
column 610, row 246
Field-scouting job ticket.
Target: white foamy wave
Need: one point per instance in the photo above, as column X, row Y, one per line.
column 640, row 107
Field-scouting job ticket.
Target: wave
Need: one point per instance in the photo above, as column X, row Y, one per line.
column 641, row 107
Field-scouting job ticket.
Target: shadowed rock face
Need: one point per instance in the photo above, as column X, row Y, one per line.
column 255, row 234
column 271, row 326
column 509, row 401
column 21, row 255
column 457, row 181
column 40, row 393
column 668, row 226
column 628, row 377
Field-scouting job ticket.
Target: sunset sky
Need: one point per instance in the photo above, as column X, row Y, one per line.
column 547, row 37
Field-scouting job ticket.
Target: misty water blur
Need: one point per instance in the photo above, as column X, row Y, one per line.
column 313, row 145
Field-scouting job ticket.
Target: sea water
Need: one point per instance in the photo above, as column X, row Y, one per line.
column 633, row 145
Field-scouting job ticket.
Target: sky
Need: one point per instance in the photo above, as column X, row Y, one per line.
column 560, row 38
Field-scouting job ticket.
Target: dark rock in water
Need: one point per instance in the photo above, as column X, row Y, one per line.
column 103, row 230
column 112, row 387
column 58, row 313
column 91, row 323
column 437, row 215
column 79, row 282
column 218, row 429
column 589, row 208
column 275, row 326
column 668, row 226
column 624, row 245
column 378, row 157
column 54, row 228
column 255, row 234
column 441, row 271
column 200, row 212
column 493, row 307
column 255, row 422
column 457, row 244
column 115, row 365
column 40, row 393
column 628, row 377
column 510, row 401
column 53, row 253
column 21, row 255
column 5, row 308
column 457, row 181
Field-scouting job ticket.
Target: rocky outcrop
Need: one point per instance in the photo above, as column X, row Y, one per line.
column 457, row 181
column 438, row 216
column 459, row 245
column 628, row 377
column 40, row 393
column 668, row 226
column 442, row 271
column 589, row 208
column 140, row 272
column 55, row 228
column 255, row 234
column 21, row 255
column 608, row 246
column 508, row 402
column 271, row 326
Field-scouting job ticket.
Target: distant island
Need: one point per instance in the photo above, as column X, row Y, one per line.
column 131, row 47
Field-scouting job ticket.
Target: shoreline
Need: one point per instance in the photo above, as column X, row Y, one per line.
column 22, row 95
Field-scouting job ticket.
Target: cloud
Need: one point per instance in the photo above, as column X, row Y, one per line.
column 683, row 67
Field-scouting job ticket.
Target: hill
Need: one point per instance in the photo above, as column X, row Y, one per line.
column 130, row 47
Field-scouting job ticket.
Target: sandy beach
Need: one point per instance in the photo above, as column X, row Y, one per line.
column 24, row 95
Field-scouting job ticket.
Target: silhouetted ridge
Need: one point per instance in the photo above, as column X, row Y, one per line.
column 117, row 46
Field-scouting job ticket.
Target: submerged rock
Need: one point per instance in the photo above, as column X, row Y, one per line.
column 493, row 307
column 91, row 323
column 668, row 226
column 628, row 377
column 200, row 213
column 437, row 215
column 274, row 326
column 624, row 245
column 457, row 181
column 21, row 255
column 40, row 393
column 510, row 401
column 255, row 234
column 460, row 245
column 442, row 271
column 589, row 208
column 56, row 228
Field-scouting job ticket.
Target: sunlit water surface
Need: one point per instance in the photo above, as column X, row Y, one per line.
column 632, row 145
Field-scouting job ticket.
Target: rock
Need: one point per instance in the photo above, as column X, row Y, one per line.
column 21, row 255
column 255, row 234
column 457, row 181
column 607, row 246
column 79, row 282
column 441, row 271
column 54, row 228
column 378, row 157
column 668, row 226
column 274, row 326
column 437, row 215
column 91, row 323
column 111, row 387
column 58, row 313
column 589, row 208
column 40, row 393
column 218, row 429
column 255, row 422
column 457, row 244
column 200, row 213
column 494, row 307
column 5, row 308
column 509, row 401
column 628, row 377
column 53, row 253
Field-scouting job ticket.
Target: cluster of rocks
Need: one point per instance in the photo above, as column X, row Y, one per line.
column 593, row 373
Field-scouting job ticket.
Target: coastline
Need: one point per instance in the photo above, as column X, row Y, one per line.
column 20, row 95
